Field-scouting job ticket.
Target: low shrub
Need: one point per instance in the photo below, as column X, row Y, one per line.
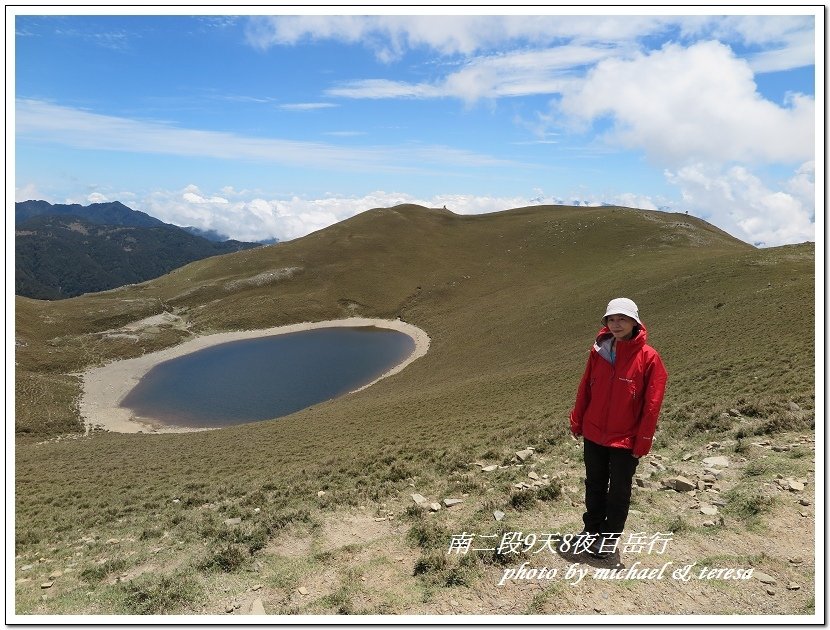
column 228, row 558
column 523, row 500
column 431, row 563
column 429, row 535
column 748, row 504
column 160, row 594
column 98, row 572
column 550, row 492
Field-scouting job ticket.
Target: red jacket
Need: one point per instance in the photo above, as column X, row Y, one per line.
column 618, row 404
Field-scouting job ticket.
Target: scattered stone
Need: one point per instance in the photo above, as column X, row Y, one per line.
column 233, row 521
column 379, row 519
column 256, row 587
column 708, row 510
column 701, row 485
column 302, row 590
column 804, row 514
column 525, row 454
column 419, row 499
column 321, row 493
column 796, row 560
column 708, row 523
column 498, row 515
column 177, row 501
column 793, row 406
column 434, row 507
column 791, row 484
column 490, row 468
column 763, row 577
column 721, row 461
column 113, row 541
column 686, row 457
column 680, row 484
column 26, row 567
column 780, row 448
column 46, row 585
column 451, row 502
column 793, row 586
column 734, row 413
column 54, row 575
column 257, row 607
column 770, row 591
column 534, row 476
column 229, row 608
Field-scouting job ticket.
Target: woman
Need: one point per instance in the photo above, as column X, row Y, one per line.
column 617, row 406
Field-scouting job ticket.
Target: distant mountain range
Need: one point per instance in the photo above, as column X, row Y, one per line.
column 65, row 250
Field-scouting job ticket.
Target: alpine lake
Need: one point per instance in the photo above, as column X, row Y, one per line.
column 267, row 377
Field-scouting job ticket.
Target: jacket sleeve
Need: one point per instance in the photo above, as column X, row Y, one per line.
column 583, row 397
column 655, row 386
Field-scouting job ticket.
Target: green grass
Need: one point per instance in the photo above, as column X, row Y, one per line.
column 511, row 302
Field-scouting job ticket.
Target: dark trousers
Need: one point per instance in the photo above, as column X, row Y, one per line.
column 608, row 475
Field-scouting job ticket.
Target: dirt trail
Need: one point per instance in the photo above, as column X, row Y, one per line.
column 368, row 564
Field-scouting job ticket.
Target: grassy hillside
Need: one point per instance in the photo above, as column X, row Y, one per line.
column 511, row 302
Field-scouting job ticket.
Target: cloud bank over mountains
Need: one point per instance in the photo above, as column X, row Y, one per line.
column 682, row 95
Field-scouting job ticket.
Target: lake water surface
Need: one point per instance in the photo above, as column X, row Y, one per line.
column 268, row 377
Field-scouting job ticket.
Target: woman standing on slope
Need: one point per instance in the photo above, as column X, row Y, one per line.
column 617, row 406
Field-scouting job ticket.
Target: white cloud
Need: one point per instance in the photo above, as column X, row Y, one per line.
column 97, row 198
column 785, row 41
column 192, row 194
column 305, row 107
column 687, row 104
column 254, row 218
column 782, row 42
column 633, row 200
column 512, row 74
column 55, row 124
column 29, row 192
column 384, row 88
column 798, row 54
column 390, row 36
column 740, row 203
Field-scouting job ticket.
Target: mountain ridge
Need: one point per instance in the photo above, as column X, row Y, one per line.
column 67, row 250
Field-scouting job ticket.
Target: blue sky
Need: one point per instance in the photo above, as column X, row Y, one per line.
column 264, row 126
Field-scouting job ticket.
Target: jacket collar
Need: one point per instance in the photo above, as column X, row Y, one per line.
column 604, row 337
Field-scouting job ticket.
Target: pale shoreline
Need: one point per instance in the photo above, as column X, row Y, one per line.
column 104, row 387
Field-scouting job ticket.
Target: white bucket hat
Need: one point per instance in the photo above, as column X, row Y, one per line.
column 622, row 306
